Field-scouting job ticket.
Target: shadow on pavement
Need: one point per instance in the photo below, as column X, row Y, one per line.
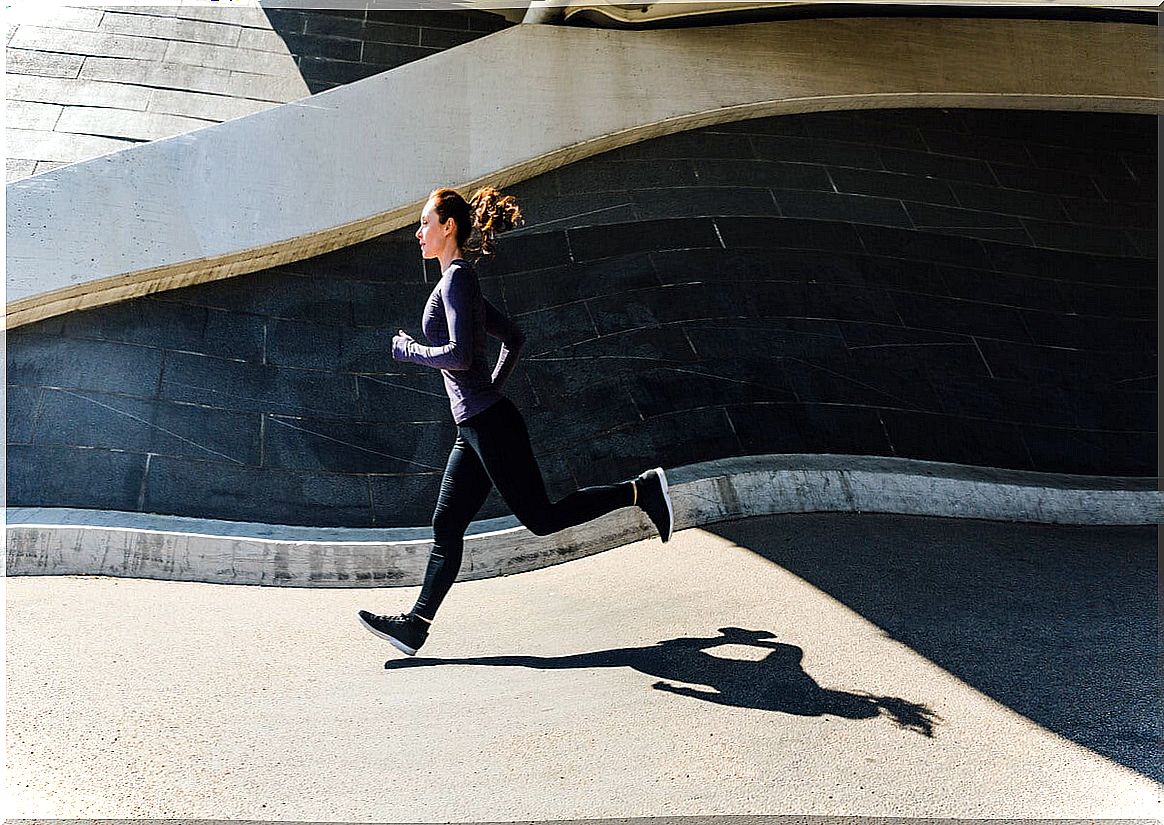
column 776, row 682
column 1057, row 623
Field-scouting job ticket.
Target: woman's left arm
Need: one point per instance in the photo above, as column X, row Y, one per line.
column 512, row 338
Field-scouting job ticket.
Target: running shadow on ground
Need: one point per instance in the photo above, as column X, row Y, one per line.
column 1058, row 623
column 777, row 682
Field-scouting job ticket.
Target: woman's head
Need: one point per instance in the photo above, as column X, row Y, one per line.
column 448, row 222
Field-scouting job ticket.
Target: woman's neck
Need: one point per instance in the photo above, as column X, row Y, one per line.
column 447, row 258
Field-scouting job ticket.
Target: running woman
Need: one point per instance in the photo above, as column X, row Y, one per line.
column 492, row 447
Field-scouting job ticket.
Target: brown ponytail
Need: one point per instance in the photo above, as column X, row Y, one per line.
column 479, row 219
column 493, row 212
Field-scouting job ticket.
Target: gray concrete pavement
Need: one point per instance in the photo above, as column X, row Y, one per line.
column 871, row 665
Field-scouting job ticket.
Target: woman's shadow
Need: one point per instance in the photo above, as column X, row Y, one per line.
column 775, row 682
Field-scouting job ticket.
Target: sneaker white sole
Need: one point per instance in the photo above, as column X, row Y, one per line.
column 396, row 643
column 670, row 509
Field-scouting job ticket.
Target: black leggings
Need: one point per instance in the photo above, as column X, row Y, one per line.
column 493, row 450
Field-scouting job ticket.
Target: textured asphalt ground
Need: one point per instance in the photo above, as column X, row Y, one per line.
column 809, row 664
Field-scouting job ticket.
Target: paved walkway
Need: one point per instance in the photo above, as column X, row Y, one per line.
column 828, row 664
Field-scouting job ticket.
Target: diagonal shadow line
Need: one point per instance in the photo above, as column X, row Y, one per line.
column 1058, row 623
column 776, row 683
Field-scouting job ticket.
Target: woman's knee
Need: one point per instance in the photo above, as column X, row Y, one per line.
column 537, row 522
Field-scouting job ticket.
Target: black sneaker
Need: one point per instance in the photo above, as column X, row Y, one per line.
column 655, row 500
column 406, row 632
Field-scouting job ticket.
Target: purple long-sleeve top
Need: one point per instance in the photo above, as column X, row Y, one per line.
column 457, row 318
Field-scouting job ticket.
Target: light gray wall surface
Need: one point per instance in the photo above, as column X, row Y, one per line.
column 83, row 82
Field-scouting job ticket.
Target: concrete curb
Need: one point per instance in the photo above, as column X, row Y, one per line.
column 42, row 541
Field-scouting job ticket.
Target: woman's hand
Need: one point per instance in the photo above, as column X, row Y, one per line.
column 402, row 343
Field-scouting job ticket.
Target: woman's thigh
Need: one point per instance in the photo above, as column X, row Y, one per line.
column 464, row 488
column 502, row 443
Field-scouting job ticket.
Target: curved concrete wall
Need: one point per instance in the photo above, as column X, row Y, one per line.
column 213, row 204
column 83, row 82
column 966, row 286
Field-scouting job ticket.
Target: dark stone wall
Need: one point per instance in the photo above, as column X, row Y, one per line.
column 337, row 46
column 968, row 286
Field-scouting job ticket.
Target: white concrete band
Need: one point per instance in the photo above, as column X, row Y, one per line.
column 56, row 542
column 355, row 162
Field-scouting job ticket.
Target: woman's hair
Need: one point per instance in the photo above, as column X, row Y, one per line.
column 479, row 219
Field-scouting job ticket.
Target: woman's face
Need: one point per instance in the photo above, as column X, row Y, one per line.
column 434, row 236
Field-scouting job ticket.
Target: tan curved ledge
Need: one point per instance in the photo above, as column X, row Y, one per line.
column 62, row 542
column 666, row 11
column 357, row 161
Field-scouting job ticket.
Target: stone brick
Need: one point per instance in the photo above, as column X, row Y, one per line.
column 375, row 32
column 1088, row 452
column 657, row 441
column 775, row 174
column 805, row 150
column 924, row 246
column 1002, row 150
column 699, row 201
column 15, row 168
column 21, row 405
column 48, row 166
column 589, row 244
column 765, row 427
column 74, row 477
column 276, row 89
column 319, row 70
column 605, row 176
column 446, row 39
column 64, row 17
column 1008, row 201
column 1079, row 238
column 1087, row 332
column 118, row 123
column 244, row 387
column 59, row 147
column 839, row 207
column 171, row 28
column 41, row 64
column 700, row 143
column 1004, row 288
column 21, row 114
column 1066, row 368
column 332, row 25
column 855, row 127
column 355, row 446
column 83, row 418
column 228, row 491
column 935, row 437
column 788, row 233
column 1049, row 181
column 224, row 57
column 69, row 92
column 36, row 359
column 967, row 317
column 1107, row 213
column 204, row 107
column 251, row 17
column 88, row 43
column 929, row 218
column 155, row 73
column 892, row 185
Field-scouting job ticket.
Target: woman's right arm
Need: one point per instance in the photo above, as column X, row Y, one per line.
column 512, row 338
